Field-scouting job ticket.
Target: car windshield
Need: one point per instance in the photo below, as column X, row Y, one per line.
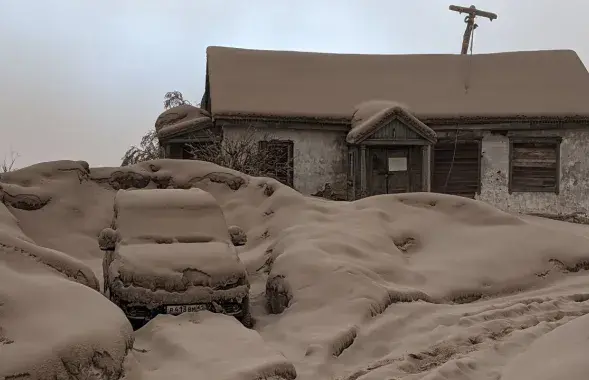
column 163, row 215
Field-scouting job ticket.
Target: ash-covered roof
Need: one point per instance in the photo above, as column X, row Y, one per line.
column 180, row 120
column 512, row 85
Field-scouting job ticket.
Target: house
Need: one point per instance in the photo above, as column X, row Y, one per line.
column 511, row 129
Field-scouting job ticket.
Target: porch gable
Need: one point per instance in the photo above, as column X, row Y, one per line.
column 391, row 125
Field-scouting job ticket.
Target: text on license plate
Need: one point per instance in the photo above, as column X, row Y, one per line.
column 179, row 309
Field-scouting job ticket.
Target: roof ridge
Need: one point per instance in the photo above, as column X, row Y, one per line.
column 511, row 52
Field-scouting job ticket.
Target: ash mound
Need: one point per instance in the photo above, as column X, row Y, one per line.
column 404, row 286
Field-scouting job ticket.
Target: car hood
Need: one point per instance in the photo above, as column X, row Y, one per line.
column 177, row 266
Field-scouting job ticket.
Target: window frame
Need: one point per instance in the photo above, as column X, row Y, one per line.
column 265, row 144
column 514, row 141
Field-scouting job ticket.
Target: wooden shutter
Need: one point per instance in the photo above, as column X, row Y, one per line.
column 534, row 166
column 456, row 172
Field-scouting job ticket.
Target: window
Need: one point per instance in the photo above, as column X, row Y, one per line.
column 277, row 157
column 534, row 165
column 456, row 167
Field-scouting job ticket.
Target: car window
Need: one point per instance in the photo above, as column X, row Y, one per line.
column 191, row 215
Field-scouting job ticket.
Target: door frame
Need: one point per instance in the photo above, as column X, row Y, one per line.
column 369, row 169
column 358, row 184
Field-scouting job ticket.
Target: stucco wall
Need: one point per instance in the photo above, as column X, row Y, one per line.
column 320, row 156
column 574, row 176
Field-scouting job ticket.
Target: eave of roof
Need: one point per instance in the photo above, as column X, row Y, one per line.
column 184, row 127
column 428, row 120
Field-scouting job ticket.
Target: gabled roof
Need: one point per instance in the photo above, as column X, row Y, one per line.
column 373, row 115
column 180, row 120
column 513, row 85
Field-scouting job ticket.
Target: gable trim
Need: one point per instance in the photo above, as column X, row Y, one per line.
column 388, row 116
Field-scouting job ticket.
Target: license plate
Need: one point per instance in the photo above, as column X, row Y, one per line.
column 179, row 309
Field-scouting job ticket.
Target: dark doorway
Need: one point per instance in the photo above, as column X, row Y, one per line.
column 198, row 150
column 179, row 151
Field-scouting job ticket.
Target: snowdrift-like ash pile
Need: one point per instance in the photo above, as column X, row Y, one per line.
column 403, row 286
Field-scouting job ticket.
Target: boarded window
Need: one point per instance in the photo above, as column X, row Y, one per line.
column 456, row 168
column 278, row 160
column 534, row 166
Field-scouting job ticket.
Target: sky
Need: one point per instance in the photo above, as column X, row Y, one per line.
column 85, row 79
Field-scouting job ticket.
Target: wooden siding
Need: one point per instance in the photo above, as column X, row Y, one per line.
column 395, row 130
column 534, row 166
column 456, row 172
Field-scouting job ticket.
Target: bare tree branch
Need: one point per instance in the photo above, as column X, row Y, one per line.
column 9, row 162
column 148, row 149
column 250, row 152
column 174, row 99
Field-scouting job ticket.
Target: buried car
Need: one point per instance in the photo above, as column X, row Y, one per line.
column 169, row 251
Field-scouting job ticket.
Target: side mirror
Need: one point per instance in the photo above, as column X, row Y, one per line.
column 107, row 239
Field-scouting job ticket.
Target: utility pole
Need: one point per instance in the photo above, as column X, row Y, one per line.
column 471, row 13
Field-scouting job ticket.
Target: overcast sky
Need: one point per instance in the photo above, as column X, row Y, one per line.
column 85, row 79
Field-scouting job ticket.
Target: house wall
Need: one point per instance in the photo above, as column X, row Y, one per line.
column 574, row 175
column 320, row 155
